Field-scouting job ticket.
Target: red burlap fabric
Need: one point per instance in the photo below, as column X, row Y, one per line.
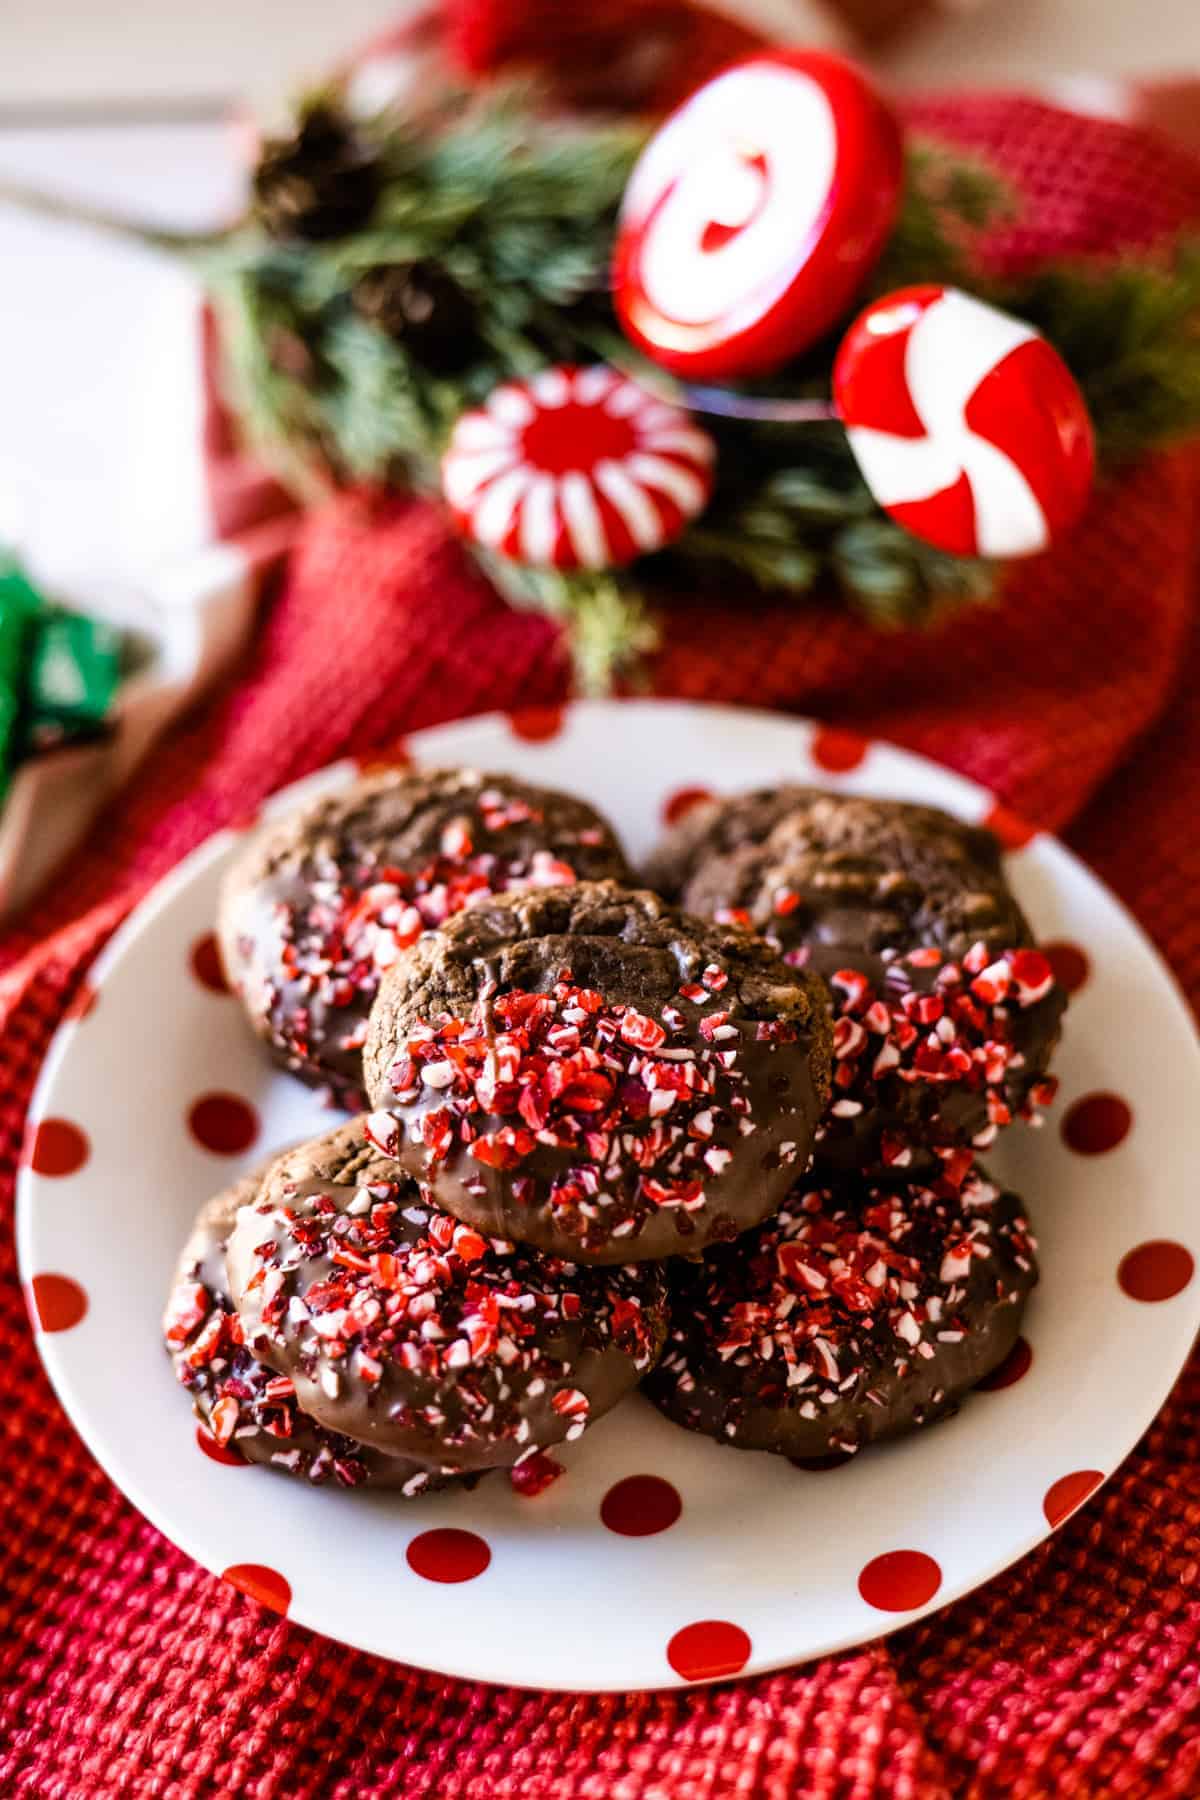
column 124, row 1669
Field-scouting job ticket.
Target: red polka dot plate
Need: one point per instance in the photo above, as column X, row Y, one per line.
column 655, row 1557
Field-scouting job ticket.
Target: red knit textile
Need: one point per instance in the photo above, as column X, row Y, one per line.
column 124, row 1669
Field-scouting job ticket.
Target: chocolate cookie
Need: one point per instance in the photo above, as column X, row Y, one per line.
column 314, row 911
column 245, row 1406
column 592, row 1072
column 857, row 1313
column 946, row 1016
column 405, row 1329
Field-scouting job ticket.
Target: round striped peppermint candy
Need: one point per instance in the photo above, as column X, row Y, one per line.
column 969, row 429
column 575, row 469
column 755, row 213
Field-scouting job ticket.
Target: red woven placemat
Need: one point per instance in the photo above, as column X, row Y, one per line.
column 124, row 1669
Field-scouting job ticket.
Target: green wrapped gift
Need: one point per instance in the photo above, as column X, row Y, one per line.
column 73, row 674
column 21, row 607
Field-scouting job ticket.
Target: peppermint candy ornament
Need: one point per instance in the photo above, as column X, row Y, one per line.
column 575, row 469
column 754, row 213
column 969, row 429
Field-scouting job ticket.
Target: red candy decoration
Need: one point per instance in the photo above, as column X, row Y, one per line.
column 754, row 214
column 575, row 469
column 968, row 428
column 532, row 1475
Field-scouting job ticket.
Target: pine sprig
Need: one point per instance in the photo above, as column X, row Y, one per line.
column 1130, row 334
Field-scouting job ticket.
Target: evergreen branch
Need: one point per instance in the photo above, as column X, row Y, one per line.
column 608, row 626
column 1130, row 334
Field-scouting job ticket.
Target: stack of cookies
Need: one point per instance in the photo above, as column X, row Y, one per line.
column 714, row 1132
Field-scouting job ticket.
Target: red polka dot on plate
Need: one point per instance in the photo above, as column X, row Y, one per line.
column 223, row 1124
column 640, row 1505
column 1096, row 1123
column 1013, row 831
column 677, row 805
column 838, row 751
column 1157, row 1270
column 218, row 1452
column 708, row 1649
column 1071, row 965
column 1009, row 1372
column 1069, row 1492
column 58, row 1148
column 207, row 967
column 537, row 724
column 260, row 1583
column 900, row 1580
column 815, row 1465
column 83, row 1003
column 395, row 755
column 58, row 1302
column 448, row 1554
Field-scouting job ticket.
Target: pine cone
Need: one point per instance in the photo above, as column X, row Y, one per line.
column 321, row 183
column 423, row 309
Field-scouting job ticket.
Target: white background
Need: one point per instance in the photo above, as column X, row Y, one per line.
column 84, row 49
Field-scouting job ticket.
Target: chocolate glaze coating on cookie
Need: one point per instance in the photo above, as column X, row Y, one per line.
column 859, row 1312
column 407, row 1330
column 845, row 883
column 589, row 1071
column 835, row 872
column 315, row 910
column 247, row 1407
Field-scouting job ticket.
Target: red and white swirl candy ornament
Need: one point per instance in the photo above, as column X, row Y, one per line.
column 577, row 468
column 754, row 214
column 969, row 429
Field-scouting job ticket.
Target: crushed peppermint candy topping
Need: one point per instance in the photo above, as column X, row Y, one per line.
column 473, row 1340
column 356, row 916
column 239, row 1398
column 830, row 1297
column 533, row 1473
column 634, row 1106
column 939, row 1025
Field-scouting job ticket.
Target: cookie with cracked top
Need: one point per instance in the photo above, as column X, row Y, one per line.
column 317, row 907
column 592, row 1072
column 246, row 1407
column 857, row 1313
column 406, row 1330
column 946, row 1014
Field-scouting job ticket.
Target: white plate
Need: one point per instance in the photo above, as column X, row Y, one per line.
column 764, row 1559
